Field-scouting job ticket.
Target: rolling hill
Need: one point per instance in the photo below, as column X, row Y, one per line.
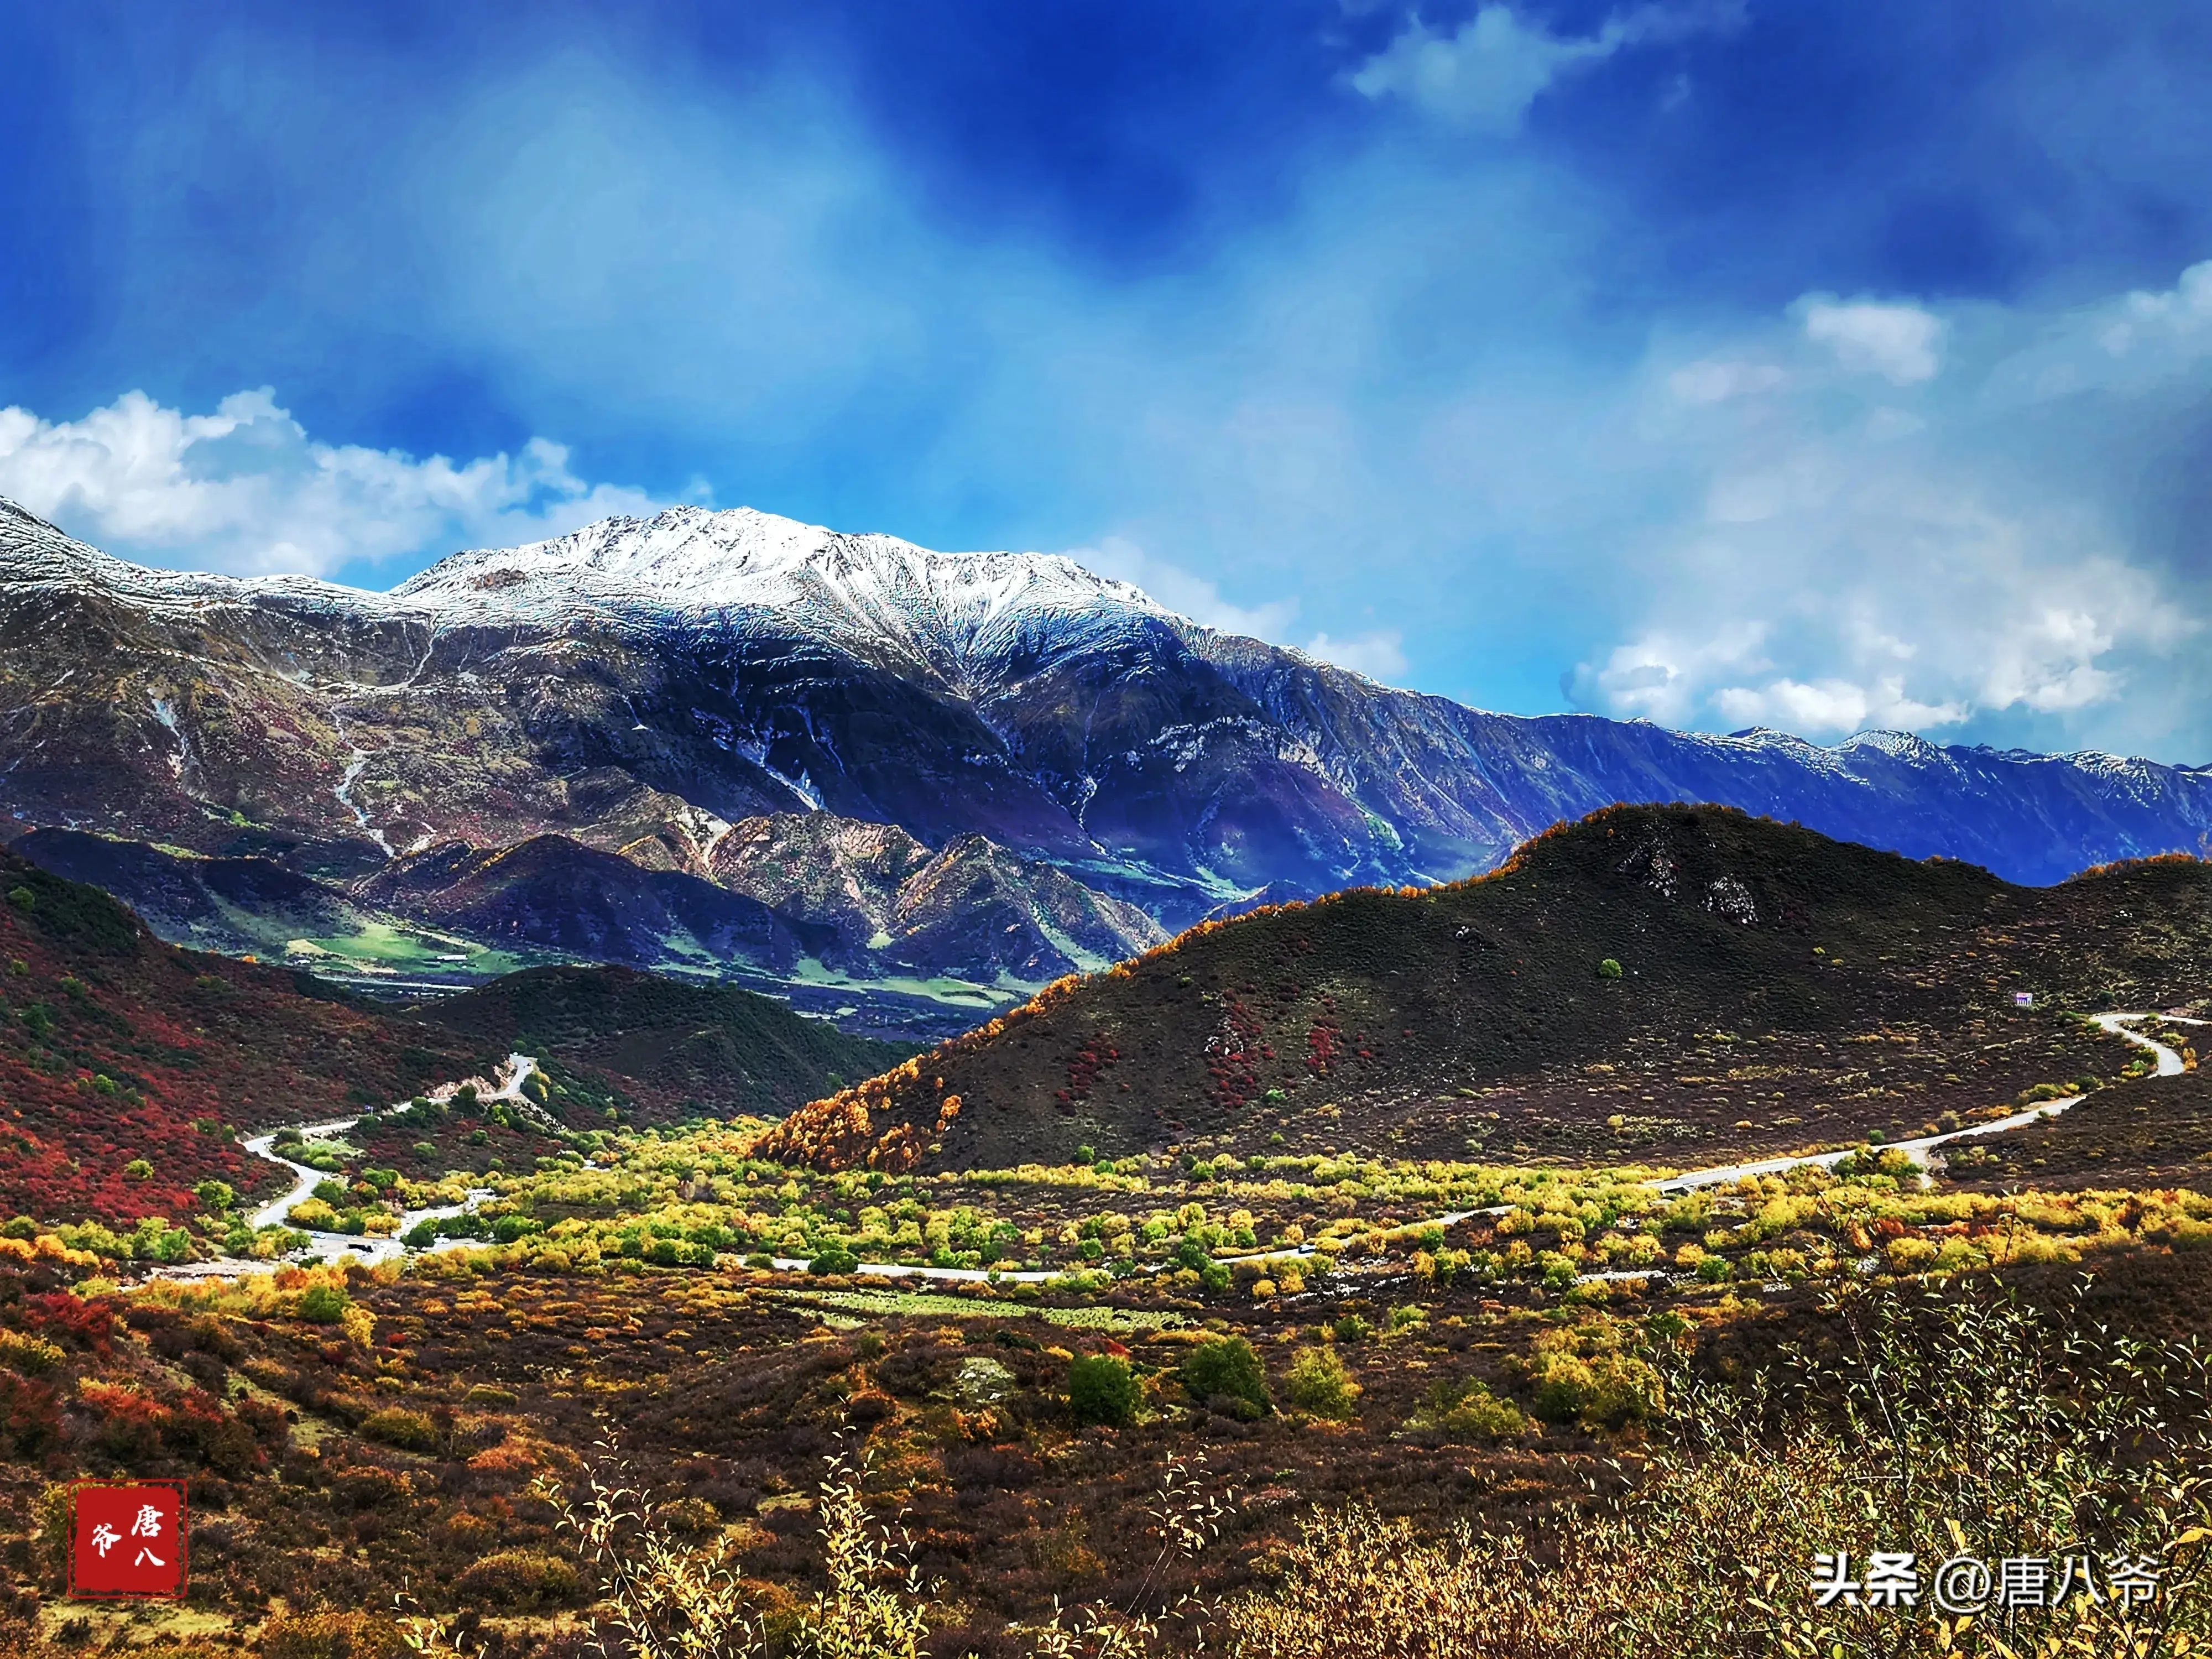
column 1647, row 983
column 680, row 1048
column 129, row 1067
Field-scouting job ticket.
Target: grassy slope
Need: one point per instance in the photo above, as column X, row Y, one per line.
column 1779, row 988
column 710, row 1049
column 87, row 994
column 179, row 1037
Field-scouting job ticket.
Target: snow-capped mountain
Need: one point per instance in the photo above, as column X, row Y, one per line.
column 874, row 596
column 649, row 683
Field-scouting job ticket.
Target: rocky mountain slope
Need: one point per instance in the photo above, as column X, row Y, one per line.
column 1648, row 983
column 874, row 907
column 641, row 685
column 970, row 908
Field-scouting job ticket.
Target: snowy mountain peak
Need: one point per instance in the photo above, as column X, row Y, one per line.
column 851, row 589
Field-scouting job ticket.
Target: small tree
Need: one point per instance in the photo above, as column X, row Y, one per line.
column 1226, row 1370
column 1318, row 1385
column 1101, row 1389
column 1609, row 969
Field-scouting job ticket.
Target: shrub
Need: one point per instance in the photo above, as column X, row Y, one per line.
column 138, row 1168
column 1318, row 1385
column 522, row 1580
column 1603, row 1390
column 835, row 1260
column 324, row 1304
column 1226, row 1370
column 331, row 1636
column 664, row 1596
column 409, row 1431
column 1609, row 969
column 34, row 1356
column 1468, row 1411
column 23, row 898
column 1101, row 1389
column 1987, row 1431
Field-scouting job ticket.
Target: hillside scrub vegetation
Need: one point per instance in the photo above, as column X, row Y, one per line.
column 1947, row 1428
column 1782, row 985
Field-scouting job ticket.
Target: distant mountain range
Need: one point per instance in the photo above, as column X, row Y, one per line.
column 723, row 737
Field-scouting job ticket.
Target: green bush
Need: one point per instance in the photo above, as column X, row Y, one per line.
column 1101, row 1389
column 1318, row 1385
column 1225, row 1370
column 138, row 1168
column 23, row 898
column 1604, row 1390
column 324, row 1304
column 1609, row 969
column 409, row 1431
column 1467, row 1410
column 835, row 1260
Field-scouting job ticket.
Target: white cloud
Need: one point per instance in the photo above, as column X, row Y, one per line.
column 1485, row 74
column 1901, row 342
column 245, row 489
column 1833, row 707
column 1858, row 565
column 1711, row 382
column 2132, row 345
column 1186, row 594
column 1667, row 677
column 1378, row 655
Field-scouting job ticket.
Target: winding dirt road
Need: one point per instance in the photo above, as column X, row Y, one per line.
column 519, row 1068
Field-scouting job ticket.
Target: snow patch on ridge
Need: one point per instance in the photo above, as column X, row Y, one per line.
column 867, row 593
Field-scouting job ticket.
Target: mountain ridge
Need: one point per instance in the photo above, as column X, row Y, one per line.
column 1067, row 718
column 1677, row 963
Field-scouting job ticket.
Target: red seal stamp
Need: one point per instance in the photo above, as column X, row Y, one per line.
column 127, row 1538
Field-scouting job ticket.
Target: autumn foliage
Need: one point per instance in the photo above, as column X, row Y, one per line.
column 118, row 1052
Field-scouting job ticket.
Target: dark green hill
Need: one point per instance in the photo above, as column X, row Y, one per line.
column 1775, row 989
column 676, row 1046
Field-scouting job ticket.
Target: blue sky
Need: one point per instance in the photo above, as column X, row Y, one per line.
column 1722, row 363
